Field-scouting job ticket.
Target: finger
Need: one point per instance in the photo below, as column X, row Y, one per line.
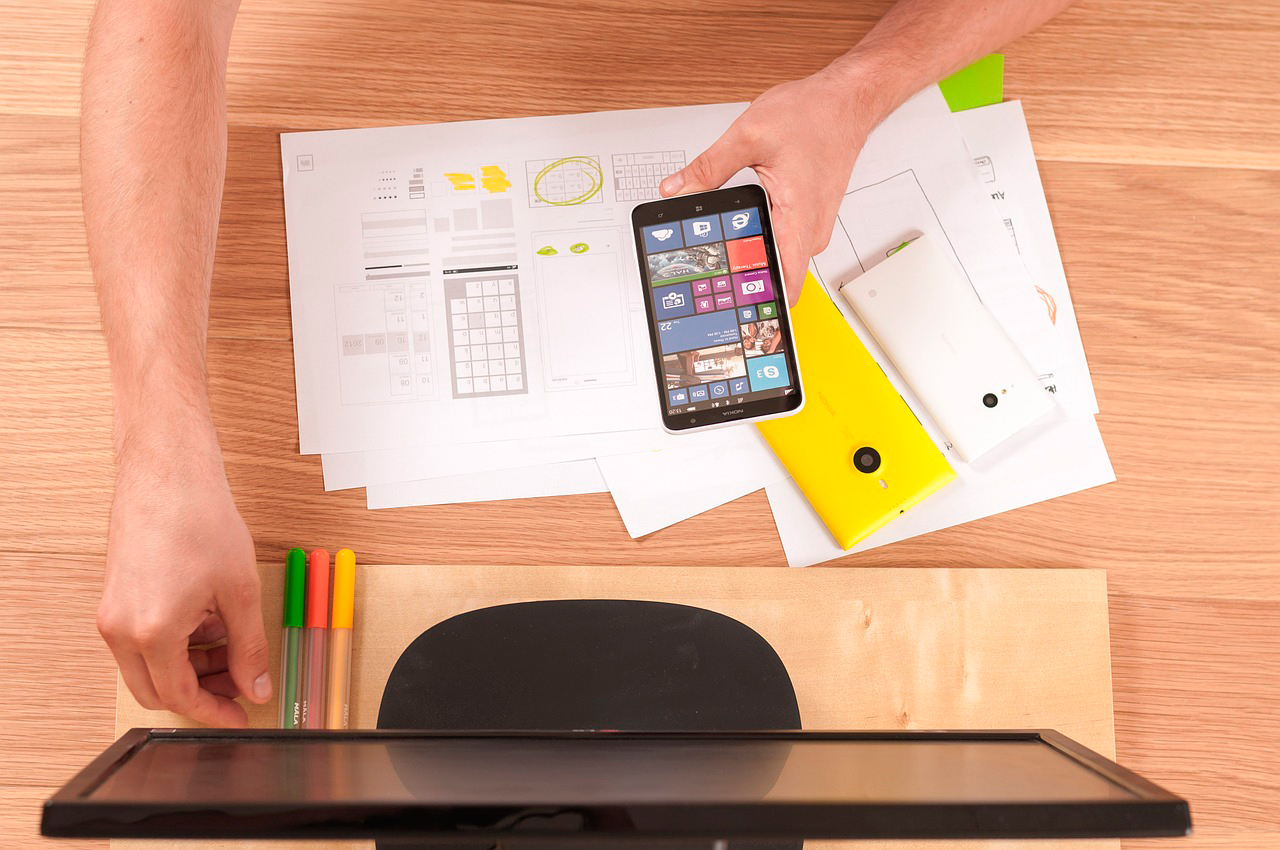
column 793, row 253
column 179, row 688
column 211, row 630
column 206, row 662
column 710, row 169
column 220, row 685
column 132, row 668
column 247, row 652
column 134, row 672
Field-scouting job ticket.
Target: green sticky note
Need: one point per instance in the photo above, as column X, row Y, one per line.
column 980, row 84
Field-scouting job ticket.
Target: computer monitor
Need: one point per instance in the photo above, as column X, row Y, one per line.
column 597, row 786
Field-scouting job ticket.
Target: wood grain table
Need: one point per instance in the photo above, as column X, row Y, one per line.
column 1157, row 124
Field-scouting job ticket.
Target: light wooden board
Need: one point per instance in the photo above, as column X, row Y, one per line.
column 1156, row 123
column 866, row 649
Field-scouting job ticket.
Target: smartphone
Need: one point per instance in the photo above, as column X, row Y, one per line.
column 716, row 303
column 955, row 356
column 857, row 452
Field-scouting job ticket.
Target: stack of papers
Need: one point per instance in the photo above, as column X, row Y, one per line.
column 468, row 323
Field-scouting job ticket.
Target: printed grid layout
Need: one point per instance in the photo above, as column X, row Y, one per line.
column 566, row 181
column 486, row 339
column 636, row 175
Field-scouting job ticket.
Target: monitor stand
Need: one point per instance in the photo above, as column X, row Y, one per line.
column 590, row 664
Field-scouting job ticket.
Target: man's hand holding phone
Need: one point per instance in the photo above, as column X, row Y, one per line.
column 801, row 138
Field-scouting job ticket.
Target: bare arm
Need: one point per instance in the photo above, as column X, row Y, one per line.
column 180, row 563
column 802, row 137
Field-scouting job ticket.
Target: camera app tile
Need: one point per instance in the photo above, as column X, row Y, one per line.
column 753, row 287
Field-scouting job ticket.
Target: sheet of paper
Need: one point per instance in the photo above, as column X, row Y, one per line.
column 526, row 482
column 655, row 489
column 475, row 281
column 998, row 139
column 345, row 470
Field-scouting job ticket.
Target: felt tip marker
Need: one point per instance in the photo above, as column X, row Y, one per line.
column 343, row 620
column 295, row 585
column 313, row 640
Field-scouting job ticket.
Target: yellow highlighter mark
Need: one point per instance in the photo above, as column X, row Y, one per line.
column 494, row 179
column 461, row 181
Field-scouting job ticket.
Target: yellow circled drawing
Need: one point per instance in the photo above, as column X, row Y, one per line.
column 588, row 166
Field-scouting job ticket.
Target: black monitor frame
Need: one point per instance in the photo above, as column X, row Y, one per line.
column 71, row 812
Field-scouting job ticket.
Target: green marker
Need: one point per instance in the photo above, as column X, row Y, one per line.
column 295, row 588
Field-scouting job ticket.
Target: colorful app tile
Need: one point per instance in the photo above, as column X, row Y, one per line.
column 672, row 302
column 719, row 390
column 698, row 331
column 746, row 254
column 687, row 263
column 662, row 237
column 767, row 311
column 741, row 223
column 678, row 396
column 703, row 365
column 753, row 287
column 746, row 314
column 702, row 287
column 698, row 393
column 761, row 337
column 702, row 230
column 768, row 372
column 705, row 304
column 724, row 301
column 738, row 386
column 721, row 284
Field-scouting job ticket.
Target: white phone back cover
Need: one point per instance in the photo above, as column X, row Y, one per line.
column 948, row 347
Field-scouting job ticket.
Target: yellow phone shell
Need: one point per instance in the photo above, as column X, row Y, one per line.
column 849, row 404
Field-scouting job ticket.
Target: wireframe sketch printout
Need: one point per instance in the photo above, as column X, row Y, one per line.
column 469, row 282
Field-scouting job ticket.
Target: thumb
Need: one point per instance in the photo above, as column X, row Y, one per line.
column 710, row 169
column 793, row 256
column 247, row 651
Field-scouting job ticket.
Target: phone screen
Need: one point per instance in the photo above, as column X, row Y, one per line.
column 717, row 309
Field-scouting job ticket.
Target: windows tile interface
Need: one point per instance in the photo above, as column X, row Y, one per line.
column 715, row 304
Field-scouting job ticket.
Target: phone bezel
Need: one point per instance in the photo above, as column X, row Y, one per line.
column 701, row 203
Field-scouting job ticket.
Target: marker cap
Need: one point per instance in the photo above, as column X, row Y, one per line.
column 318, row 590
column 344, row 589
column 295, row 588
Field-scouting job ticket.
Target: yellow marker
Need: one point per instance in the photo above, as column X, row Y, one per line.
column 343, row 620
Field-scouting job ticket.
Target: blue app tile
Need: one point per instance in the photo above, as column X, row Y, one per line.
column 738, row 386
column 741, row 223
column 672, row 302
column 719, row 390
column 662, row 237
column 746, row 314
column 697, row 393
column 700, row 331
column 768, row 372
column 702, row 230
column 678, row 397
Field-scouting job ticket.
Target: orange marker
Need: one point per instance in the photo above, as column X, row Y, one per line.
column 344, row 596
column 316, row 624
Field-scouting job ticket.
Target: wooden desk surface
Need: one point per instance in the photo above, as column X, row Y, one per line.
column 1158, row 129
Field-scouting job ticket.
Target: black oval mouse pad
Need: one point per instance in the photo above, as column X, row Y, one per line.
column 590, row 664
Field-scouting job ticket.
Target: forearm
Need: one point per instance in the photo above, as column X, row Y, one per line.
column 153, row 156
column 918, row 42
